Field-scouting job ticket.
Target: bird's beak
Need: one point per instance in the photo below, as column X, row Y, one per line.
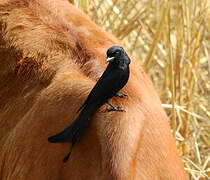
column 109, row 59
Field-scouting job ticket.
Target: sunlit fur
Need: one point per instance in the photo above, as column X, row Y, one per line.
column 51, row 55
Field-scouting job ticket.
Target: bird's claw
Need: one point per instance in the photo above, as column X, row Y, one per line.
column 116, row 109
column 122, row 95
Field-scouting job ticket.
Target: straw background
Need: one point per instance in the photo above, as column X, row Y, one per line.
column 171, row 39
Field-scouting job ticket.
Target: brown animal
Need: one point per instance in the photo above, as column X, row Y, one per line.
column 51, row 55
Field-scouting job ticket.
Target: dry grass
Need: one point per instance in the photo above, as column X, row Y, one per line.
column 172, row 40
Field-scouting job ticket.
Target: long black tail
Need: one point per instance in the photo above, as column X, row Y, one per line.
column 73, row 132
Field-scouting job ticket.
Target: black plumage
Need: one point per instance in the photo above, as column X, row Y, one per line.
column 112, row 80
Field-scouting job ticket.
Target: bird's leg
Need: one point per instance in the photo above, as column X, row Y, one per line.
column 121, row 95
column 115, row 108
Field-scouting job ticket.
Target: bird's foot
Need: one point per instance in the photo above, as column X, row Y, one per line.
column 116, row 109
column 121, row 95
column 113, row 108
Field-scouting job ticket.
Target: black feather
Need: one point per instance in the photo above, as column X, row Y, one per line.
column 112, row 80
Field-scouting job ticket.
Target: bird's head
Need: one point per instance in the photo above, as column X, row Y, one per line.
column 117, row 55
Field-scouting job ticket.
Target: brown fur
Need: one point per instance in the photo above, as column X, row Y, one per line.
column 51, row 55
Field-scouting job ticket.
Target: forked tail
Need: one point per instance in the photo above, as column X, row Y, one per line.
column 73, row 132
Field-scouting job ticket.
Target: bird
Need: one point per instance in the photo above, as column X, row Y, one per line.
column 113, row 79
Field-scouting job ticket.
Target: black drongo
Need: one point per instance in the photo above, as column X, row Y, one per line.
column 112, row 80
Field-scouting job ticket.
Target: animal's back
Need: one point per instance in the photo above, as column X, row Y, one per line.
column 51, row 55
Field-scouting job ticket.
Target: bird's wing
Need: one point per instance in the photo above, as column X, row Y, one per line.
column 105, row 85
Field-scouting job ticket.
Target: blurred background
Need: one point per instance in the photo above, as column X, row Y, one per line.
column 171, row 39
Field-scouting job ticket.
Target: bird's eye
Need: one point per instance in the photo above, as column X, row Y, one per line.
column 117, row 52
